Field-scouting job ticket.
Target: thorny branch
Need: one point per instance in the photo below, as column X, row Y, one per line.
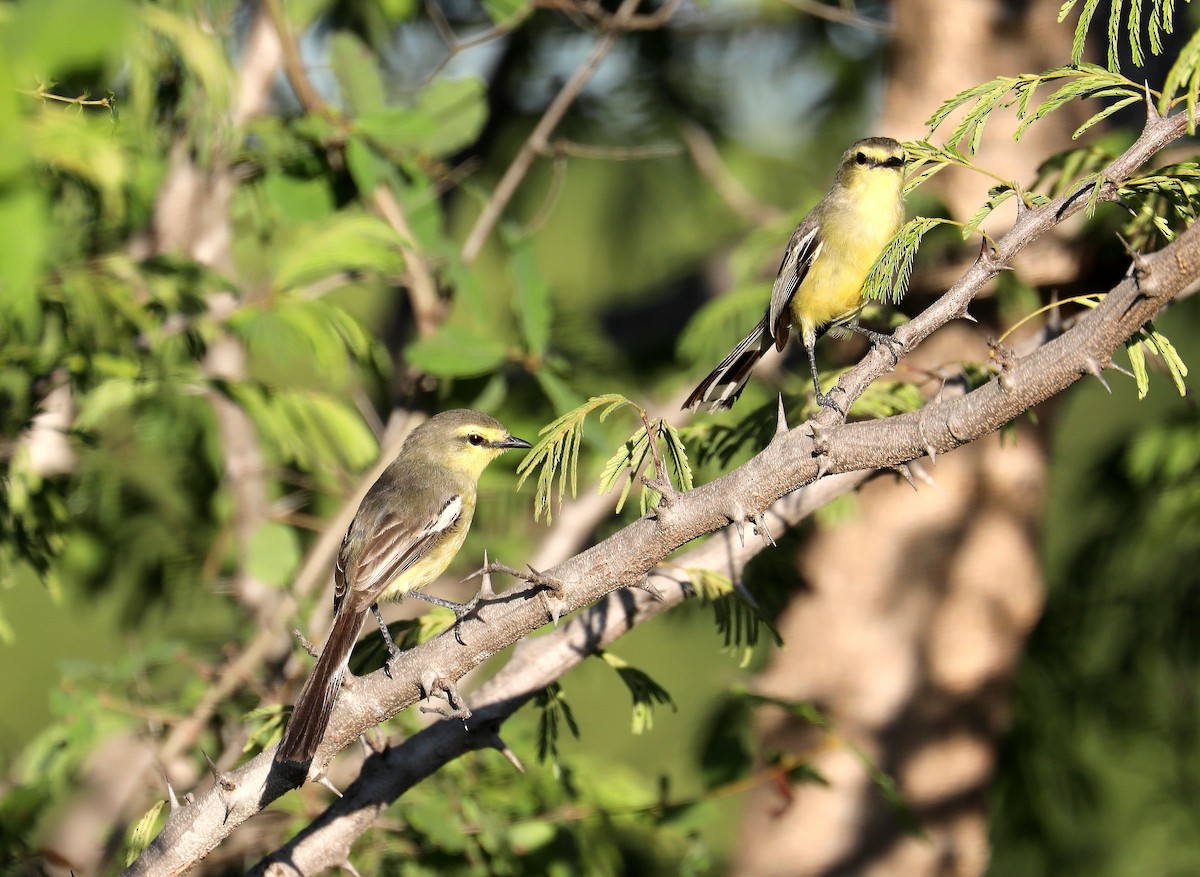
column 793, row 459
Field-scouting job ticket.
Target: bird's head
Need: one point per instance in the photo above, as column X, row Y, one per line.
column 869, row 161
column 462, row 440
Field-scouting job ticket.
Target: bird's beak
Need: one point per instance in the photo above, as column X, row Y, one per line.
column 512, row 442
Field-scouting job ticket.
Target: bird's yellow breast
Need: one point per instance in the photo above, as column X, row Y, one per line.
column 854, row 230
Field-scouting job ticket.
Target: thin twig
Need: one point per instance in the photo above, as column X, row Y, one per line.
column 540, row 137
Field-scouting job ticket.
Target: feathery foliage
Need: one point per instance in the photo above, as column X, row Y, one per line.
column 557, row 453
column 888, row 278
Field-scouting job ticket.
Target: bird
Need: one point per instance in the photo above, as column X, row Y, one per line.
column 820, row 279
column 407, row 530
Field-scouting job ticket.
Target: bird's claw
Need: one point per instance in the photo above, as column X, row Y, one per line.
column 454, row 708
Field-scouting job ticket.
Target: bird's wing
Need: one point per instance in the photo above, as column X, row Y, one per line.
column 801, row 250
column 394, row 546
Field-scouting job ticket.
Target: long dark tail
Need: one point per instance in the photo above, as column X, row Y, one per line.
column 724, row 384
column 314, row 706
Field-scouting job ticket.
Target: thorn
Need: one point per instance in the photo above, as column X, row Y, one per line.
column 223, row 784
column 485, row 579
column 966, row 315
column 646, row 586
column 304, row 643
column 907, row 473
column 820, row 436
column 554, row 607
column 741, row 531
column 222, row 779
column 1092, row 366
column 923, row 476
column 931, row 452
column 665, row 490
column 781, row 424
column 985, row 252
column 324, row 780
column 1152, row 114
column 174, row 801
column 1141, row 267
column 1120, row 369
column 762, row 530
column 346, row 866
column 503, row 749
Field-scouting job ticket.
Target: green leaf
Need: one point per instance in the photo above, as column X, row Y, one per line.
column 51, row 39
column 888, row 278
column 507, row 13
column 341, row 243
column 140, row 834
column 645, row 692
column 448, row 115
column 554, row 710
column 557, row 452
column 84, row 147
column 359, row 77
column 1160, row 344
column 456, row 352
column 533, row 296
column 1137, row 364
column 201, row 52
column 1185, row 71
column 273, row 553
column 366, row 166
column 630, row 456
column 677, row 457
column 24, row 240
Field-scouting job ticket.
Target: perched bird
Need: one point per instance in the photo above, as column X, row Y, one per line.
column 820, row 279
column 407, row 529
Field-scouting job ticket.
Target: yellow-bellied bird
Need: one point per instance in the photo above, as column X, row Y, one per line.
column 407, row 529
column 820, row 279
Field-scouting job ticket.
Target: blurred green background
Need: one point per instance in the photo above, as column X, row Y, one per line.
column 210, row 316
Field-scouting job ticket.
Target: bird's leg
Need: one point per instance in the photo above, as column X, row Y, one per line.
column 823, row 400
column 393, row 649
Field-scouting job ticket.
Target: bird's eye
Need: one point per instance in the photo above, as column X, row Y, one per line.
column 861, row 158
column 475, row 438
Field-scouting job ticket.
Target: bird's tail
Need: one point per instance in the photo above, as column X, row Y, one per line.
column 314, row 706
column 724, row 383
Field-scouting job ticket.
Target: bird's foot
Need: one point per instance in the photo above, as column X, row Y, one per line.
column 461, row 610
column 453, row 708
column 827, row 400
column 880, row 340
